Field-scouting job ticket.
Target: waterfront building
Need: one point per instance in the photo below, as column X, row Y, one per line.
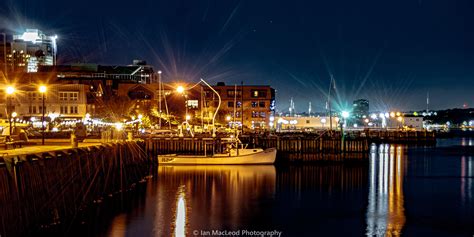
column 107, row 75
column 63, row 101
column 250, row 105
column 28, row 51
column 292, row 123
column 360, row 108
column 413, row 122
column 146, row 99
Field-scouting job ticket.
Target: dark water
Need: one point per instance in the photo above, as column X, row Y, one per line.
column 407, row 191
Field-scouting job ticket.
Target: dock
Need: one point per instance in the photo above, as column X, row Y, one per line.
column 42, row 186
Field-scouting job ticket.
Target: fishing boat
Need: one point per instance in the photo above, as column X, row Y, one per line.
column 234, row 157
column 234, row 154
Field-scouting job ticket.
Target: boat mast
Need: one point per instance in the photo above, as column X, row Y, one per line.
column 329, row 103
column 235, row 105
column 202, row 112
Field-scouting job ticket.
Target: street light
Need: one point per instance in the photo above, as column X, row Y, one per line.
column 14, row 114
column 42, row 89
column 10, row 90
column 344, row 115
column 180, row 89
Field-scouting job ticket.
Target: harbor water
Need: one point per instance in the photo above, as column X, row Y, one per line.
column 402, row 190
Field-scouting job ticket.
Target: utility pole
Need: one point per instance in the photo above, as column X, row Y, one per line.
column 329, row 103
column 5, row 53
column 242, row 107
column 427, row 101
column 159, row 96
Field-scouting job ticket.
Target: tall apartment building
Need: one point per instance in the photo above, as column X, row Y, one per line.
column 28, row 51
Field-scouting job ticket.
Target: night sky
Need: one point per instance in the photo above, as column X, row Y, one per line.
column 390, row 52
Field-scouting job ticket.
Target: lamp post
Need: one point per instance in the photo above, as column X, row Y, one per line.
column 159, row 96
column 344, row 115
column 14, row 114
column 180, row 90
column 42, row 89
column 10, row 91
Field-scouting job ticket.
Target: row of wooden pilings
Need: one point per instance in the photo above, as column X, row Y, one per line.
column 289, row 148
column 395, row 136
column 43, row 190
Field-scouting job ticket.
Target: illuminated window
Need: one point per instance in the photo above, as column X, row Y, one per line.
column 231, row 93
column 62, row 96
column 63, row 109
column 263, row 115
column 192, row 104
column 32, row 95
column 254, row 114
column 73, row 110
column 73, row 96
column 254, row 94
column 32, row 109
column 258, row 93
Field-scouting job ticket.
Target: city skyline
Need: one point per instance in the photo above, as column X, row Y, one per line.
column 391, row 55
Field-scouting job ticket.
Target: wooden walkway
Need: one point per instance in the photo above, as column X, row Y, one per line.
column 50, row 145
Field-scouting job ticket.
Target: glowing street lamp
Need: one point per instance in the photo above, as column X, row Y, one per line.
column 345, row 114
column 180, row 89
column 42, row 89
column 10, row 90
column 188, row 117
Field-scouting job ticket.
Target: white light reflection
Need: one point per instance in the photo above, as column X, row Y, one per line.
column 180, row 222
column 385, row 212
column 466, row 181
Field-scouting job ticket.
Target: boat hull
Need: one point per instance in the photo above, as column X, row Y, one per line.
column 247, row 157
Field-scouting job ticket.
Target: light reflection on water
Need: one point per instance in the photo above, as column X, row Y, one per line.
column 180, row 221
column 401, row 191
column 385, row 211
column 467, row 175
column 188, row 198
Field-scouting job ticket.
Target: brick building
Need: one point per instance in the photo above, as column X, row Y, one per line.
column 254, row 104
